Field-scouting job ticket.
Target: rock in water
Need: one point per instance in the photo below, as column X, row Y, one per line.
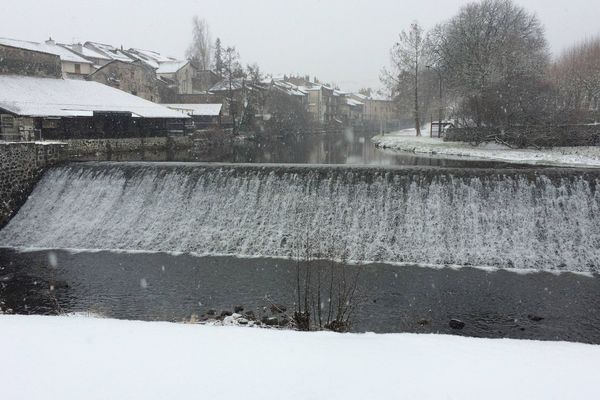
column 456, row 324
column 535, row 318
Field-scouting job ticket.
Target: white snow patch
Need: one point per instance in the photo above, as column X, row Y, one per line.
column 75, row 358
column 407, row 141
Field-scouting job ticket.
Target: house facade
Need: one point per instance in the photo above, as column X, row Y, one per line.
column 135, row 78
column 72, row 65
column 21, row 61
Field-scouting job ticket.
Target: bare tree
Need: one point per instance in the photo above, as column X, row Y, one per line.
column 493, row 55
column 408, row 60
column 576, row 75
column 200, row 50
column 234, row 79
column 255, row 97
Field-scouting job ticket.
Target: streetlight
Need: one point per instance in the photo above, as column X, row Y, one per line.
column 441, row 108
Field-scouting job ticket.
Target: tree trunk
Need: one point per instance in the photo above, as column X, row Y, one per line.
column 417, row 116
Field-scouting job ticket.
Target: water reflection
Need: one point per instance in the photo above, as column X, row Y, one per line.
column 339, row 148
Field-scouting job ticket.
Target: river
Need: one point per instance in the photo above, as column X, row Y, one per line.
column 511, row 251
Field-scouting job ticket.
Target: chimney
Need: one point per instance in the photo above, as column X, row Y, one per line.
column 50, row 41
column 78, row 48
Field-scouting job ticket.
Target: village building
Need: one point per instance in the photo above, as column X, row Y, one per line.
column 232, row 95
column 203, row 115
column 320, row 103
column 108, row 51
column 51, row 108
column 204, row 80
column 72, row 65
column 135, row 78
column 352, row 111
column 20, row 61
column 301, row 94
column 179, row 75
column 97, row 59
column 381, row 113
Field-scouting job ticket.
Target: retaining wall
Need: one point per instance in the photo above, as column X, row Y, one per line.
column 21, row 165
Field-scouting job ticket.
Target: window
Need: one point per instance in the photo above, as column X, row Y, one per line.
column 7, row 123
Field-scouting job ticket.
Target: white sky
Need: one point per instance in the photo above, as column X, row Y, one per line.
column 341, row 41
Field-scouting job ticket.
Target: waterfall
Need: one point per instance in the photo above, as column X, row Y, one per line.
column 523, row 218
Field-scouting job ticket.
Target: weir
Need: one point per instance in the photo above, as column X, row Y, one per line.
column 544, row 219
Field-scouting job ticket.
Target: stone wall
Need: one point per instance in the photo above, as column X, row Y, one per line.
column 28, row 62
column 135, row 78
column 21, row 165
column 79, row 147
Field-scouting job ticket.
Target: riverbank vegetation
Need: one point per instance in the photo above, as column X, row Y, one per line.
column 497, row 79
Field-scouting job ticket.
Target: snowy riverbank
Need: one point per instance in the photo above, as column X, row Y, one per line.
column 406, row 141
column 80, row 357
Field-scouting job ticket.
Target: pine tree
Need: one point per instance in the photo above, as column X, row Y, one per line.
column 218, row 58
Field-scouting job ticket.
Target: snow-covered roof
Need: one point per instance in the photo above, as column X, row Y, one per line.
column 150, row 63
column 171, row 67
column 224, row 85
column 211, row 110
column 109, row 51
column 63, row 53
column 48, row 97
column 289, row 88
column 352, row 102
column 86, row 52
column 152, row 55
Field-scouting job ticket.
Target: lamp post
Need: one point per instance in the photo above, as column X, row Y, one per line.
column 441, row 104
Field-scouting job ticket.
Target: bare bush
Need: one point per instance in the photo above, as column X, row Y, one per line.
column 327, row 291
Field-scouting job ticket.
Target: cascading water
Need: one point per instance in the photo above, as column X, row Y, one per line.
column 539, row 219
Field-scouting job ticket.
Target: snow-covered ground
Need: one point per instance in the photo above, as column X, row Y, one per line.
column 88, row 358
column 405, row 140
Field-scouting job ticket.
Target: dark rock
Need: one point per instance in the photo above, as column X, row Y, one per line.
column 238, row 309
column 270, row 321
column 535, row 318
column 423, row 322
column 212, row 312
column 456, row 324
column 250, row 315
column 337, row 326
column 60, row 285
column 226, row 313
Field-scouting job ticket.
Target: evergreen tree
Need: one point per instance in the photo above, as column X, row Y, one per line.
column 218, row 58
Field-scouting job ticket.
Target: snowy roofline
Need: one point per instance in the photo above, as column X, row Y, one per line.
column 197, row 109
column 51, row 97
column 171, row 67
column 65, row 54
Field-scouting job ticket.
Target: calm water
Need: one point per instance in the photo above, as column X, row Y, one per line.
column 393, row 299
column 349, row 148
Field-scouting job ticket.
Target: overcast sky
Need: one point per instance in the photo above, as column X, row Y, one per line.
column 341, row 41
